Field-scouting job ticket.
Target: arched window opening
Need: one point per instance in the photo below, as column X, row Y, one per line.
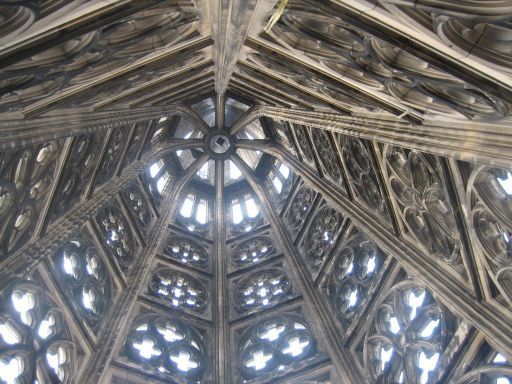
column 85, row 279
column 187, row 206
column 502, row 378
column 157, row 176
column 274, row 345
column 262, row 289
column 187, row 252
column 491, row 212
column 354, row 277
column 410, row 330
column 245, row 213
column 321, row 235
column 155, row 168
column 195, row 213
column 35, row 331
column 231, row 172
column 168, row 346
column 26, row 176
column 202, row 212
column 253, row 251
column 300, row 206
column 179, row 290
column 327, row 153
column 204, row 171
column 117, row 235
column 138, row 206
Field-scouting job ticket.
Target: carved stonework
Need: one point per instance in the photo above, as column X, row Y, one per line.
column 117, row 236
column 88, row 56
column 351, row 52
column 253, row 251
column 179, row 290
column 321, row 236
column 261, row 289
column 138, row 207
column 300, row 207
column 304, row 144
column 408, row 335
column 326, row 154
column 167, row 346
column 362, row 173
column 255, row 192
column 36, row 343
column 490, row 201
column 417, row 185
column 354, row 278
column 186, row 251
column 26, row 176
column 480, row 28
column 77, row 172
column 85, row 279
column 280, row 341
column 112, row 155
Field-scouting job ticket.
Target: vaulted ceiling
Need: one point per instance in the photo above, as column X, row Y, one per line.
column 255, row 191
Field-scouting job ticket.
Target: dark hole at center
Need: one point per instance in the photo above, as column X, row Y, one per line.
column 220, row 141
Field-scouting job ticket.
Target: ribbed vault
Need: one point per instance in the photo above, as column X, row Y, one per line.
column 256, row 191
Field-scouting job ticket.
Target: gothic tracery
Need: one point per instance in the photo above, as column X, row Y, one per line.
column 255, row 191
column 34, row 334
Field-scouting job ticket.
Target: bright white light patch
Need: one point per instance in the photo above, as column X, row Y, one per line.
column 394, row 326
column 9, row 334
column 499, row 359
column 188, row 205
column 237, row 213
column 56, row 360
column 23, row 302
column 11, row 370
column 352, row 299
column 259, row 360
column 252, row 208
column 295, row 346
column 147, row 349
column 370, row 266
column 204, row 172
column 427, row 365
column 69, row 264
column 415, row 301
column 154, row 169
column 506, row 183
column 429, row 328
column 158, row 132
column 273, row 333
column 234, row 172
column 183, row 361
column 170, row 333
column 46, row 327
column 283, row 170
column 88, row 299
column 160, row 184
column 202, row 210
column 385, row 356
column 277, row 184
